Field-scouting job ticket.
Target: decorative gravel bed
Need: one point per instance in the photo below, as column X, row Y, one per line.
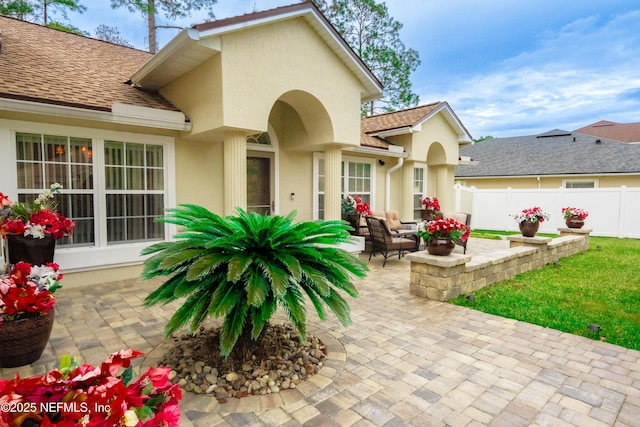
column 278, row 361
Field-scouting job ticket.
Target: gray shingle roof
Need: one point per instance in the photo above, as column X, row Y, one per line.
column 553, row 153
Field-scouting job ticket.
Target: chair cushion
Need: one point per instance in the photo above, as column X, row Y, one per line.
column 458, row 216
column 393, row 219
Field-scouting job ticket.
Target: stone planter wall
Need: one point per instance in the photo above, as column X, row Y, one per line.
column 444, row 277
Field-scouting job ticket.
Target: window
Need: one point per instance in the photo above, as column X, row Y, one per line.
column 419, row 189
column 581, row 183
column 134, row 183
column 132, row 190
column 43, row 160
column 357, row 178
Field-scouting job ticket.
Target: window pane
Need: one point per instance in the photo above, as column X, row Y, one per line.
column 80, row 150
column 55, row 148
column 81, row 177
column 114, row 178
column 135, row 154
column 57, row 173
column 28, row 146
column 155, row 205
column 155, row 179
column 116, row 230
column 115, row 205
column 155, row 230
column 320, row 206
column 135, row 179
column 114, row 153
column 30, row 175
column 154, row 156
column 580, row 184
column 135, row 204
column 135, row 229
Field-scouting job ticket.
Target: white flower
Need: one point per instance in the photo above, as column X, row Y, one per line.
column 130, row 418
column 34, row 230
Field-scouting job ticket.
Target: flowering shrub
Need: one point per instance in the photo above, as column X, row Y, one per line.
column 27, row 291
column 569, row 212
column 355, row 204
column 37, row 219
column 534, row 214
column 431, row 203
column 443, row 228
column 74, row 395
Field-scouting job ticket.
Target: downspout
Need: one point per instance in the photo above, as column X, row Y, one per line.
column 387, row 203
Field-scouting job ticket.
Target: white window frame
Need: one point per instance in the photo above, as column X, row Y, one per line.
column 100, row 255
column 580, row 181
column 345, row 181
column 423, row 192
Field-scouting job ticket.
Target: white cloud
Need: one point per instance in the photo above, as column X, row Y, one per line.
column 584, row 72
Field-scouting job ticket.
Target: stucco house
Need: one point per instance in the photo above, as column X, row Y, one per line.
column 552, row 159
column 259, row 111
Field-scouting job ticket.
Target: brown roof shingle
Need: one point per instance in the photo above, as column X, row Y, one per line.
column 397, row 119
column 625, row 132
column 41, row 64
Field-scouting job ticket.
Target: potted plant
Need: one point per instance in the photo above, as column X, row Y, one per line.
column 441, row 233
column 31, row 229
column 74, row 395
column 431, row 208
column 529, row 220
column 353, row 208
column 574, row 217
column 26, row 312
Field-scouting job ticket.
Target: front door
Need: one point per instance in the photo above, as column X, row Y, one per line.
column 259, row 176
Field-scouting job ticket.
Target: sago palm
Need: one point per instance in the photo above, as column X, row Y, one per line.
column 243, row 267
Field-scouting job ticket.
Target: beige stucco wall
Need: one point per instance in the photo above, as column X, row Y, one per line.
column 199, row 176
column 280, row 58
column 549, row 182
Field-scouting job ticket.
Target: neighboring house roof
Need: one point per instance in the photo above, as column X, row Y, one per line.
column 411, row 119
column 195, row 45
column 44, row 65
column 626, row 132
column 556, row 152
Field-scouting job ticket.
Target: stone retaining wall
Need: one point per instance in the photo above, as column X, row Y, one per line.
column 444, row 277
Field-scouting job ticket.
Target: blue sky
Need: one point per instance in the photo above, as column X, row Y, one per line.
column 506, row 67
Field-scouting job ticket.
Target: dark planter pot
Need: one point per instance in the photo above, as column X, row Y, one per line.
column 529, row 229
column 27, row 249
column 574, row 222
column 430, row 214
column 441, row 247
column 23, row 341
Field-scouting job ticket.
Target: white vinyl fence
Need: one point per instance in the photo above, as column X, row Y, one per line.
column 613, row 212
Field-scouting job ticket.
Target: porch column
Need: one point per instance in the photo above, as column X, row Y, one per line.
column 406, row 208
column 443, row 190
column 235, row 171
column 332, row 181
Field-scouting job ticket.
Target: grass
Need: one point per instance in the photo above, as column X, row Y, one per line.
column 499, row 235
column 599, row 286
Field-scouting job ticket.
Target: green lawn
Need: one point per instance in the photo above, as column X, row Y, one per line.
column 600, row 286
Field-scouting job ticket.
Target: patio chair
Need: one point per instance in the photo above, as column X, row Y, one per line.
column 464, row 218
column 399, row 227
column 386, row 243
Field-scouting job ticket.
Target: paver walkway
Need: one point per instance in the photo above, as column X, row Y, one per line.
column 404, row 361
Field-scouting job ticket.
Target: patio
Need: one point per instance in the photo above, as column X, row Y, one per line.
column 405, row 361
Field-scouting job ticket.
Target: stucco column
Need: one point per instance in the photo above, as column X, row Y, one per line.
column 235, row 171
column 406, row 207
column 443, row 190
column 332, row 181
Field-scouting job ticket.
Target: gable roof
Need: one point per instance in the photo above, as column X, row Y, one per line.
column 626, row 132
column 44, row 65
column 553, row 153
column 195, row 45
column 411, row 119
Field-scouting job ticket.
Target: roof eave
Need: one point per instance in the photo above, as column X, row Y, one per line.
column 120, row 114
column 464, row 138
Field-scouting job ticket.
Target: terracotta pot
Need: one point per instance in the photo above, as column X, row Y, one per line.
column 27, row 249
column 574, row 222
column 529, row 229
column 441, row 247
column 23, row 341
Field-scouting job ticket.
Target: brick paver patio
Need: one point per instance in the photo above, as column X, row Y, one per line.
column 404, row 361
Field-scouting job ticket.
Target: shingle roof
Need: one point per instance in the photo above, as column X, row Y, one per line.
column 45, row 65
column 372, row 141
column 398, row 119
column 626, row 132
column 553, row 153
